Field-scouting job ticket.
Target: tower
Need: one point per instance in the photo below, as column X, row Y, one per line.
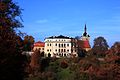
column 85, row 40
column 85, row 35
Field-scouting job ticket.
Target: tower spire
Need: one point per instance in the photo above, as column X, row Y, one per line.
column 85, row 29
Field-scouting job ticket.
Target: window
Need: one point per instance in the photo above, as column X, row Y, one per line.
column 60, row 54
column 64, row 54
column 50, row 50
column 67, row 44
column 59, row 50
column 56, row 44
column 68, row 50
column 39, row 48
column 59, row 45
column 47, row 50
column 42, row 48
column 50, row 44
column 75, row 55
column 64, row 50
column 47, row 44
column 56, row 50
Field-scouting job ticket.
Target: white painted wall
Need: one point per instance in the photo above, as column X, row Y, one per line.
column 50, row 46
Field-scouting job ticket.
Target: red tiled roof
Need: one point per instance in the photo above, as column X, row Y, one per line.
column 84, row 44
column 39, row 44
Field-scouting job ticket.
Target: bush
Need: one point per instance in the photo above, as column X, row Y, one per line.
column 63, row 64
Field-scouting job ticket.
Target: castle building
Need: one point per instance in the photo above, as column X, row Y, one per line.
column 63, row 46
column 60, row 46
column 39, row 46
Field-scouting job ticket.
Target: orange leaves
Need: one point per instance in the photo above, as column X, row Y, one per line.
column 35, row 58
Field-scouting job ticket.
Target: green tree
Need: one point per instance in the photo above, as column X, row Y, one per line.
column 11, row 60
column 100, row 46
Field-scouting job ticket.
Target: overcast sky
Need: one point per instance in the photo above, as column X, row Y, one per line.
column 44, row 18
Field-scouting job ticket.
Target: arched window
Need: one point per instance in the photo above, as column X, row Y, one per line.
column 64, row 54
column 68, row 45
column 56, row 50
column 56, row 44
column 68, row 50
column 59, row 50
column 59, row 45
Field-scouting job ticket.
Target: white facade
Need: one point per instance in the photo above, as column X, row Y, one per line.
column 59, row 46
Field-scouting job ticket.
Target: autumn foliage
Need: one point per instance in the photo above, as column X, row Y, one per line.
column 64, row 64
column 90, row 67
column 12, row 62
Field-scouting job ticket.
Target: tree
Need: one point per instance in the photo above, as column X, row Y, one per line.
column 28, row 43
column 42, row 54
column 35, row 62
column 81, row 53
column 100, row 46
column 77, row 37
column 116, row 48
column 113, row 54
column 64, row 64
column 11, row 60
